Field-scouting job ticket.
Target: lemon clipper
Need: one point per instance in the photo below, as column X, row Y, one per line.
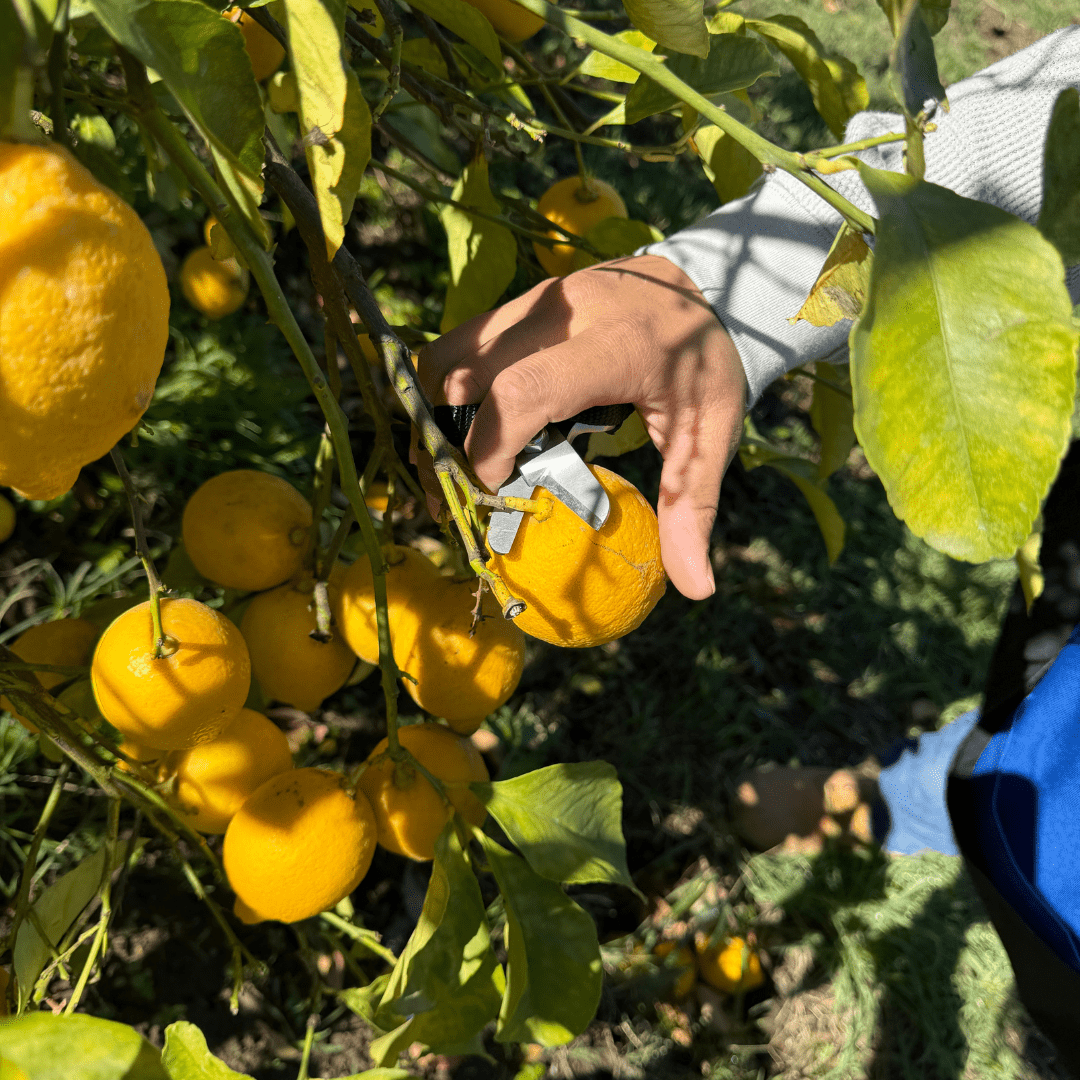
column 548, row 461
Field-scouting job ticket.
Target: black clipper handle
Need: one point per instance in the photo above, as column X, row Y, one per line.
column 455, row 420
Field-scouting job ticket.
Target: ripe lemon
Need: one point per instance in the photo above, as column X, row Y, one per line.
column 458, row 677
column 212, row 286
column 409, row 812
column 84, row 319
column 721, row 964
column 409, row 575
column 263, row 48
column 514, row 22
column 289, row 664
column 7, row 519
column 64, row 642
column 298, row 846
column 684, row 965
column 570, row 206
column 246, row 529
column 585, row 586
column 214, row 780
column 180, row 700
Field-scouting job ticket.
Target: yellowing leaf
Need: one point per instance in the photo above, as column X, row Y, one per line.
column 483, row 253
column 677, row 25
column 604, row 67
column 727, row 163
column 963, row 366
column 465, row 21
column 630, row 435
column 840, row 289
column 425, row 54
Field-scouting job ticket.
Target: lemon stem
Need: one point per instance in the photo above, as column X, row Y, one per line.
column 337, row 542
column 163, row 644
column 321, row 598
column 313, row 1020
column 512, row 502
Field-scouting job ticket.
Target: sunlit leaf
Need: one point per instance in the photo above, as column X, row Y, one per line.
column 604, row 67
column 727, row 163
column 832, row 415
column 963, row 366
column 734, row 62
column 447, row 980
column 187, row 1057
column 424, row 53
column 335, row 121
column 676, row 25
column 1030, row 568
column 483, row 253
column 565, row 819
column 852, row 86
column 840, row 290
column 201, row 59
column 465, row 21
column 1059, row 218
column 554, row 975
column 614, row 237
column 47, row 1047
column 935, row 12
column 913, row 66
column 630, row 435
column 807, row 55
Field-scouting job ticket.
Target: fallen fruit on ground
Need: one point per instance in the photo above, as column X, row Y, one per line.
column 298, row 846
column 409, row 812
column 246, row 529
column 721, row 964
column 215, row 779
column 458, row 677
column 585, row 586
column 7, row 519
column 214, row 287
column 84, row 319
column 63, row 642
column 576, row 209
column 180, row 700
column 263, row 49
column 514, row 22
column 409, row 576
column 288, row 664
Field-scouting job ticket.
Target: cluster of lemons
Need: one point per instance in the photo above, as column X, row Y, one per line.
column 728, row 963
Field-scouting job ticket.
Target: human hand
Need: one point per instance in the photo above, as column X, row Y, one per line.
column 634, row 330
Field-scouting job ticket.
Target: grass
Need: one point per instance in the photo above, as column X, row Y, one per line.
column 880, row 967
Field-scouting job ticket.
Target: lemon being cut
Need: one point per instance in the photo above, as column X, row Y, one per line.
column 214, row 780
column 459, row 677
column 246, row 529
column 576, row 209
column 585, row 586
column 176, row 701
column 287, row 662
column 84, row 319
column 409, row 812
column 62, row 642
column 297, row 846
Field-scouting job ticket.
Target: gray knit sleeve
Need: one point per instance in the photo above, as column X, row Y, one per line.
column 756, row 258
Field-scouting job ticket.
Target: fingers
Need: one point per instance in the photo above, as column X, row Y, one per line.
column 546, row 386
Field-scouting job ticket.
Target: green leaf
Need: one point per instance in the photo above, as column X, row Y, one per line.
column 935, row 12
column 447, row 983
column 554, row 974
column 56, row 909
column 186, row 1056
column 804, row 475
column 913, row 66
column 840, row 290
column 832, row 415
column 1059, row 218
column 807, row 55
column 600, row 66
column 425, row 54
column 48, row 1047
column 335, row 121
column 676, row 25
column 465, row 21
column 201, row 59
column 630, row 435
column 614, row 237
column 565, row 819
column 483, row 253
column 364, row 1000
column 422, row 127
column 727, row 163
column 734, row 62
column 963, row 366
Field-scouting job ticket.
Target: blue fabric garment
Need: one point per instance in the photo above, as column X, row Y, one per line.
column 1026, row 786
column 912, row 783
